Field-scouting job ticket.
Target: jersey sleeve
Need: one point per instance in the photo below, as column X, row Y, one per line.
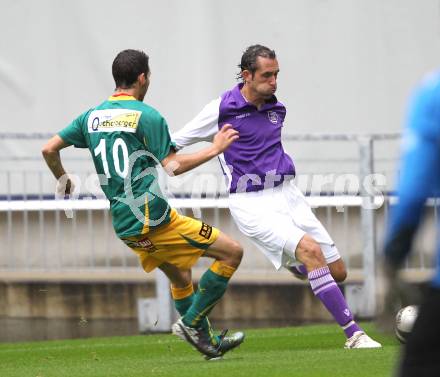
column 419, row 170
column 155, row 135
column 74, row 132
column 202, row 128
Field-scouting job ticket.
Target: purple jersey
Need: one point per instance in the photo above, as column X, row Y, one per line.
column 257, row 159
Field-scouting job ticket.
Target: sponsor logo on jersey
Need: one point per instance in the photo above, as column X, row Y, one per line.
column 273, row 117
column 241, row 116
column 111, row 120
column 144, row 244
column 206, row 231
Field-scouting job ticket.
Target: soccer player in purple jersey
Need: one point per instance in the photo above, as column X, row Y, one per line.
column 264, row 201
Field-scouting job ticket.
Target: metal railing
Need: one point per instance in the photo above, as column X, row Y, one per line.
column 40, row 242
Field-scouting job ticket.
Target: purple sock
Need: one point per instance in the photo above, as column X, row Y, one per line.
column 326, row 289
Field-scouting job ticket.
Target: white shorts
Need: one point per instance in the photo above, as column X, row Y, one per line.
column 276, row 220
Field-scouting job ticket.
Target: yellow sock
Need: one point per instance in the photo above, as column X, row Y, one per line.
column 222, row 269
column 181, row 293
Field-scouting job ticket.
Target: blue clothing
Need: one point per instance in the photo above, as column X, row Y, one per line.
column 419, row 172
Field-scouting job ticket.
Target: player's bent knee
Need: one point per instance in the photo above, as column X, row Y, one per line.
column 233, row 248
column 226, row 250
column 313, row 252
column 237, row 249
column 310, row 254
column 235, row 254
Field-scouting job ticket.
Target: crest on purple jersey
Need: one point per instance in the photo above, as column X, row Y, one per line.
column 273, row 117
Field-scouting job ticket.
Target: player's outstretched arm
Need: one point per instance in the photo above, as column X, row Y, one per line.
column 51, row 154
column 175, row 164
column 203, row 127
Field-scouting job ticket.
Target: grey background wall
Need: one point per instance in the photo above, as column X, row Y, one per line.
column 346, row 65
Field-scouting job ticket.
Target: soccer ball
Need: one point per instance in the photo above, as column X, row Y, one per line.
column 405, row 319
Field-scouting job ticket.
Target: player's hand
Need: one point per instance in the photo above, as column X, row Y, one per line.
column 224, row 138
column 65, row 186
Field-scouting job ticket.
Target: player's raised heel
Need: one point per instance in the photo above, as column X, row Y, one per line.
column 361, row 340
column 199, row 338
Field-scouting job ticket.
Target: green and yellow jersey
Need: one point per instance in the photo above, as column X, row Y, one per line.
column 127, row 139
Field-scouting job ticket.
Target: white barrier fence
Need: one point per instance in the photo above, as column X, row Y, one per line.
column 40, row 242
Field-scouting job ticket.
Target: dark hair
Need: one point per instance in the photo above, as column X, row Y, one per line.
column 127, row 66
column 249, row 58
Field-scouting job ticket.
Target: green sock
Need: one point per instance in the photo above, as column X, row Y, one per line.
column 182, row 305
column 211, row 289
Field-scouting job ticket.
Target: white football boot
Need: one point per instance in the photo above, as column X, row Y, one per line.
column 361, row 340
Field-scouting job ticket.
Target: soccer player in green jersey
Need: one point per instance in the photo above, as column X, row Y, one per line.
column 127, row 139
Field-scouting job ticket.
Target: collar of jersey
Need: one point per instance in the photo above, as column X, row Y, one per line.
column 242, row 103
column 121, row 97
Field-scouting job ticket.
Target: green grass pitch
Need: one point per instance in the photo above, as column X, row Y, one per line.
column 312, row 351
